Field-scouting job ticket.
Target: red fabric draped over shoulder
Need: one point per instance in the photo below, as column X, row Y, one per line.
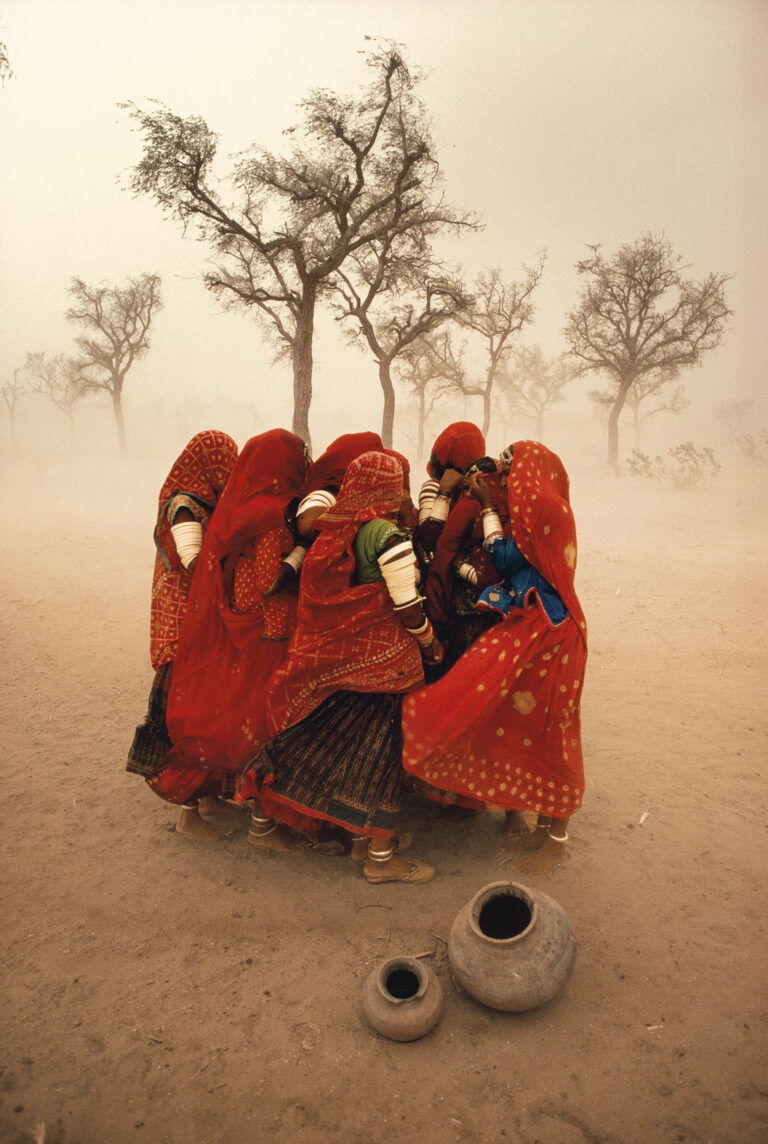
column 458, row 446
column 200, row 473
column 216, row 714
column 503, row 725
column 329, row 469
column 347, row 635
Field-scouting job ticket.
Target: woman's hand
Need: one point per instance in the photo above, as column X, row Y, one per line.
column 477, row 487
column 284, row 577
column 434, row 652
column 450, row 481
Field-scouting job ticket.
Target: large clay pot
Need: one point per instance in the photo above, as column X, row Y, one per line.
column 511, row 947
column 402, row 999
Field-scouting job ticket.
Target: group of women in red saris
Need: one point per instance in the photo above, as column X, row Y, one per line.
column 317, row 640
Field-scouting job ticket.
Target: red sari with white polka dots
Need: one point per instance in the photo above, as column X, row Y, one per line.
column 503, row 725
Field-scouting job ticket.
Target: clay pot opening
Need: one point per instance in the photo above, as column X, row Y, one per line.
column 505, row 913
column 402, row 980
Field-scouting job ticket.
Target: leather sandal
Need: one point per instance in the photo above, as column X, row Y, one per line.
column 417, row 872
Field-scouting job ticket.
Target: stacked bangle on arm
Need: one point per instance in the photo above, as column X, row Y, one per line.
column 188, row 538
column 423, row 634
column 492, row 529
column 441, row 506
column 295, row 558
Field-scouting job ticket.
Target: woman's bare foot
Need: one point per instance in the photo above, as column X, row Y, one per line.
column 396, row 869
column 545, row 859
column 218, row 808
column 191, row 825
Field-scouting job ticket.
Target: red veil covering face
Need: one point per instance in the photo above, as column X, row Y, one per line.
column 503, row 725
column 216, row 715
column 457, row 447
column 199, row 475
column 327, row 472
column 347, row 635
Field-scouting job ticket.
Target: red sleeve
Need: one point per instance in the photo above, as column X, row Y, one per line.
column 456, row 532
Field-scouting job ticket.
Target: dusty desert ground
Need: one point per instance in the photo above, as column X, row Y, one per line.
column 167, row 992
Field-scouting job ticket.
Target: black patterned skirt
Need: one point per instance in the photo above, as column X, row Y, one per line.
column 151, row 743
column 342, row 764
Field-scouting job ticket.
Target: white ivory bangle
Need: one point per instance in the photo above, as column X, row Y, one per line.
column 441, row 506
column 555, row 838
column 491, row 524
column 467, row 572
column 295, row 557
column 320, row 498
column 399, row 575
column 188, row 538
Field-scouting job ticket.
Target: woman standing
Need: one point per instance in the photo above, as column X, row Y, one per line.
column 335, row 704
column 503, row 725
column 186, row 502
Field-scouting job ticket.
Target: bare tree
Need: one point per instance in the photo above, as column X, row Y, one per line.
column 740, row 420
column 395, row 302
column 500, row 310
column 361, row 169
column 431, row 365
column 647, row 397
column 57, row 378
column 619, row 326
column 6, row 71
column 532, row 383
column 117, row 320
column 12, row 392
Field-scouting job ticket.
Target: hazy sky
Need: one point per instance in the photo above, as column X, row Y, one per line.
column 561, row 122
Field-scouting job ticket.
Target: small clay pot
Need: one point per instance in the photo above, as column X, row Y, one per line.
column 402, row 999
column 511, row 947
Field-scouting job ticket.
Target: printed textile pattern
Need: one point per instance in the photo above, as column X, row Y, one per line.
column 196, row 481
column 347, row 636
column 216, row 706
column 503, row 725
column 342, row 764
column 458, row 446
column 329, row 469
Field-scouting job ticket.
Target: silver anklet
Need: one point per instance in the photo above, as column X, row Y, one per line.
column 555, row 838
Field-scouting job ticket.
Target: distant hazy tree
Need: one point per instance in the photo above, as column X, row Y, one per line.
column 395, row 302
column 6, row 71
column 739, row 419
column 361, row 171
column 637, row 317
column 499, row 311
column 683, row 467
column 117, row 321
column 433, row 368
column 12, row 392
column 531, row 383
column 647, row 397
column 58, row 379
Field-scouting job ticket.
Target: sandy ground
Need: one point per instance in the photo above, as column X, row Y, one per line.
column 159, row 990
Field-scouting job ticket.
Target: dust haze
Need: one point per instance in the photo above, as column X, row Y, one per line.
column 160, row 991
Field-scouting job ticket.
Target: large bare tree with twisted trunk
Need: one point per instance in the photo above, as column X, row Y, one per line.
column 117, row 321
column 360, row 172
column 638, row 317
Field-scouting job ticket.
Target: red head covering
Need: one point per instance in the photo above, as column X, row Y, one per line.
column 405, row 465
column 458, row 446
column 542, row 521
column 269, row 472
column 201, row 471
column 347, row 636
column 329, row 469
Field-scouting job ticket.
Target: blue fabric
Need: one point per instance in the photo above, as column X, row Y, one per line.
column 519, row 578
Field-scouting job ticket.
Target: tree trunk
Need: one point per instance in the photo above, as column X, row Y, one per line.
column 422, row 418
column 540, row 425
column 71, row 418
column 388, row 413
column 302, row 364
column 638, row 426
column 613, row 424
column 487, row 392
column 117, row 406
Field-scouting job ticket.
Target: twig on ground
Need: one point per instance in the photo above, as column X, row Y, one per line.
column 373, row 906
column 437, row 935
column 215, row 1057
column 426, row 953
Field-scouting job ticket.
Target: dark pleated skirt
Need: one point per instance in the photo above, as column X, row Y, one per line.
column 342, row 764
column 151, row 742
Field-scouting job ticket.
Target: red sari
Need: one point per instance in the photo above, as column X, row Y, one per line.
column 198, row 476
column 334, row 706
column 457, row 447
column 503, row 726
column 328, row 471
column 233, row 637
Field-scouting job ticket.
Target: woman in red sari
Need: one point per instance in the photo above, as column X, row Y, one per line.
column 186, row 502
column 452, row 453
column 334, row 706
column 236, row 630
column 502, row 727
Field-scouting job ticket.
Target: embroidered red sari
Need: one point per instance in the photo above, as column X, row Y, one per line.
column 347, row 635
column 457, row 447
column 233, row 637
column 503, row 725
column 199, row 475
column 328, row 471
